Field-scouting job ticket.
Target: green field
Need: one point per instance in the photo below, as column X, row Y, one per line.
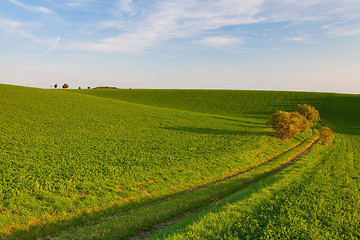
column 316, row 198
column 80, row 164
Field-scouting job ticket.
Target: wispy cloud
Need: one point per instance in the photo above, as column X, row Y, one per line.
column 14, row 29
column 125, row 6
column 342, row 29
column 176, row 19
column 300, row 38
column 131, row 26
column 110, row 24
column 32, row 8
column 220, row 42
column 78, row 3
column 53, row 46
column 10, row 27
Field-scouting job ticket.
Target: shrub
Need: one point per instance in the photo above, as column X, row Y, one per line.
column 326, row 136
column 309, row 112
column 287, row 124
column 303, row 123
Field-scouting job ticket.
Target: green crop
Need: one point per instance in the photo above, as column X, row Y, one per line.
column 316, row 198
column 72, row 153
column 64, row 153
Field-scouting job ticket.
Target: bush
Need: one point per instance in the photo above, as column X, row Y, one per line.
column 287, row 124
column 309, row 112
column 326, row 136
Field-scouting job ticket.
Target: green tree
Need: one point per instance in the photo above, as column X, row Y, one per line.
column 287, row 124
column 309, row 112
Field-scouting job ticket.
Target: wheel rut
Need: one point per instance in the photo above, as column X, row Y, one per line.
column 289, row 161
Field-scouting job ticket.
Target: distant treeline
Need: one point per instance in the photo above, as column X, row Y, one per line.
column 105, row 87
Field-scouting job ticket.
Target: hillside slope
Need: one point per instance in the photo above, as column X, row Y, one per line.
column 64, row 153
column 316, row 198
column 334, row 107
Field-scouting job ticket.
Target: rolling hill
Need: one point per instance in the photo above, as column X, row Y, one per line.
column 70, row 157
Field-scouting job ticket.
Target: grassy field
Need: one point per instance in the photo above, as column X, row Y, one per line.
column 73, row 160
column 316, row 198
column 336, row 108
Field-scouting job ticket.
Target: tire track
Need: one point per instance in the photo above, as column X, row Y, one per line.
column 289, row 161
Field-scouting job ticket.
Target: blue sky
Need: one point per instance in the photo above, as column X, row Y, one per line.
column 302, row 45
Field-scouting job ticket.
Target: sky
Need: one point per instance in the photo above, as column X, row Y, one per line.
column 296, row 45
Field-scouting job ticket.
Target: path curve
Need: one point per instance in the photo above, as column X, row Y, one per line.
column 289, row 161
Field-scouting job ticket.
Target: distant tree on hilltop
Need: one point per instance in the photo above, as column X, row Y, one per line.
column 55, row 86
column 65, row 86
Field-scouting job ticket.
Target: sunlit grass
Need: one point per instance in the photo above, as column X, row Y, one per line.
column 70, row 161
column 316, row 198
column 65, row 153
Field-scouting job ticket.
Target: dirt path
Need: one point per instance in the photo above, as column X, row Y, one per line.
column 246, row 170
column 289, row 161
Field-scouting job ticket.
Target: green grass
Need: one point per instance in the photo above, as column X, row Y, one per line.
column 334, row 107
column 65, row 153
column 72, row 160
column 316, row 198
column 126, row 224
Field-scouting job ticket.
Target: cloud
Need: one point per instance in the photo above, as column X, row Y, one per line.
column 141, row 27
column 125, row 6
column 342, row 30
column 53, row 46
column 78, row 3
column 175, row 19
column 110, row 24
column 220, row 41
column 301, row 38
column 13, row 29
column 38, row 9
column 10, row 27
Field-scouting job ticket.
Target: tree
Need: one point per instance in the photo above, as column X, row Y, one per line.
column 303, row 123
column 287, row 124
column 310, row 113
column 55, row 86
column 326, row 136
column 65, row 86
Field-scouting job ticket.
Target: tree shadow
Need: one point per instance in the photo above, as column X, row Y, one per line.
column 239, row 121
column 49, row 230
column 52, row 229
column 217, row 131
